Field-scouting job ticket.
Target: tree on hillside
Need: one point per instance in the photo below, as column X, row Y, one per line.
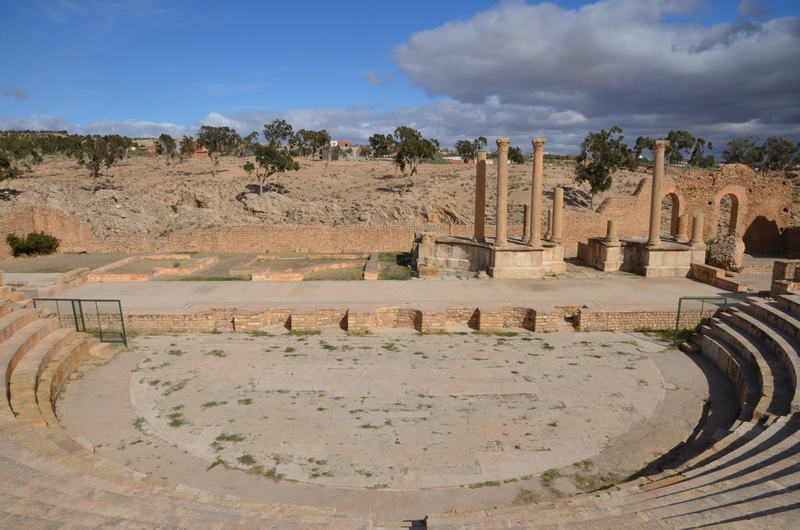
column 17, row 153
column 246, row 146
column 382, row 145
column 218, row 141
column 697, row 156
column 469, row 150
column 680, row 146
column 166, row 145
column 187, row 147
column 601, row 155
column 777, row 154
column 276, row 132
column 98, row 152
column 741, row 151
column 643, row 143
column 411, row 149
column 304, row 138
column 515, row 155
column 271, row 161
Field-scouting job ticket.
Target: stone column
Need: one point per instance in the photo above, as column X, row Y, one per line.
column 535, row 239
column 697, row 231
column 549, row 233
column 501, row 236
column 526, row 223
column 655, row 198
column 611, row 232
column 480, row 199
column 558, row 213
column 683, row 226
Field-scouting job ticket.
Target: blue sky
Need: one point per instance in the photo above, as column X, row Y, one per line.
column 453, row 69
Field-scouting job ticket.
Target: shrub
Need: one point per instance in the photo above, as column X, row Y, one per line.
column 34, row 243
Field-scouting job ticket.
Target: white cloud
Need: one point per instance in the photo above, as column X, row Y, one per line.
column 15, row 92
column 613, row 59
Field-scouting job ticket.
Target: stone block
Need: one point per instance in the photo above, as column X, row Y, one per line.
column 427, row 272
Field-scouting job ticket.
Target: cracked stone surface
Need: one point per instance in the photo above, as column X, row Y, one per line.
column 393, row 411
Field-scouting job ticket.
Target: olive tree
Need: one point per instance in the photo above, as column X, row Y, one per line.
column 217, row 141
column 601, row 155
column 270, row 161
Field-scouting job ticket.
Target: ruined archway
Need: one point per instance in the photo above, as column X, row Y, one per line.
column 672, row 206
column 729, row 204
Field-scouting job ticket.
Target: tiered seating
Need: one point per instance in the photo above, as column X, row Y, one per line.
column 47, row 480
column 749, row 479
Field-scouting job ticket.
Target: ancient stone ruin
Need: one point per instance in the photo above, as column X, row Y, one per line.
column 530, row 256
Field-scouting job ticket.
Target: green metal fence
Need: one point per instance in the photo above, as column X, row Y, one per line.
column 101, row 318
column 693, row 310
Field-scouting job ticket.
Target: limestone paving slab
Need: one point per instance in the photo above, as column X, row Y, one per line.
column 382, row 412
column 630, row 292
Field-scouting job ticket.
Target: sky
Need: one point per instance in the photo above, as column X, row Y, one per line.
column 453, row 69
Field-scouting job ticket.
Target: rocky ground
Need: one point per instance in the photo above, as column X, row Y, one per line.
column 156, row 196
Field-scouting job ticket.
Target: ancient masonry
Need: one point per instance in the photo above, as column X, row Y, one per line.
column 527, row 257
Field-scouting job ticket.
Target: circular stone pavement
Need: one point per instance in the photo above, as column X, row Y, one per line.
column 394, row 410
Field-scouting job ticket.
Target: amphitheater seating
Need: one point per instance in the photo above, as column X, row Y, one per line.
column 48, row 480
column 749, row 478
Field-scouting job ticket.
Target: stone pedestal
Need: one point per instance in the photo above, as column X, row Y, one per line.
column 516, row 260
column 634, row 254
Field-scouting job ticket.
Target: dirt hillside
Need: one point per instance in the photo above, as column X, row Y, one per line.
column 159, row 197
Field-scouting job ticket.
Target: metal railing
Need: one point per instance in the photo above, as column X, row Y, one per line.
column 710, row 304
column 101, row 318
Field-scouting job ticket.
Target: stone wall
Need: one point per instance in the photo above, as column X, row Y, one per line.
column 228, row 319
column 611, row 320
column 25, row 219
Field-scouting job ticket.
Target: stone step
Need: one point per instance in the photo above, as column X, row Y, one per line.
column 100, row 348
column 14, row 321
column 57, row 371
column 5, row 306
column 22, row 386
column 779, row 352
column 690, row 347
column 771, row 312
column 789, row 302
column 13, row 350
column 744, row 378
column 776, row 386
column 23, row 304
column 16, row 296
column 134, row 504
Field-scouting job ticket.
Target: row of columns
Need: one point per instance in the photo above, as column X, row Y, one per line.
column 533, row 215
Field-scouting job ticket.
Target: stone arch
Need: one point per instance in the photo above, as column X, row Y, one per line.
column 678, row 206
column 738, row 200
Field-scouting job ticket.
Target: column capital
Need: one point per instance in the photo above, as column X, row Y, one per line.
column 661, row 145
column 502, row 143
column 538, row 143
